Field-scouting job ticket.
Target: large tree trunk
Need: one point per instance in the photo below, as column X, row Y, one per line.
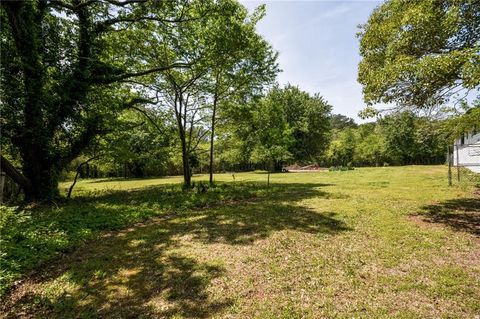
column 43, row 178
column 48, row 106
column 182, row 124
column 34, row 138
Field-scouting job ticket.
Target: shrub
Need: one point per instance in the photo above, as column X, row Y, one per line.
column 340, row 168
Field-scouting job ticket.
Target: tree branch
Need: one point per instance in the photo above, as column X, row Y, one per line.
column 138, row 73
column 144, row 112
column 78, row 173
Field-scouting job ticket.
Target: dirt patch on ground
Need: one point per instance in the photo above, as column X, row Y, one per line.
column 422, row 222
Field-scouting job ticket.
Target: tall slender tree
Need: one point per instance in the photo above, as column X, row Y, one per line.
column 227, row 57
column 244, row 67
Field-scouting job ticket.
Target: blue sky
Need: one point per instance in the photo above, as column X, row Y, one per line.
column 318, row 47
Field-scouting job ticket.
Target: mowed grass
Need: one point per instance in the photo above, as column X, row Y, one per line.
column 392, row 242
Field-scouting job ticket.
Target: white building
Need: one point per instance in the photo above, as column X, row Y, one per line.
column 466, row 151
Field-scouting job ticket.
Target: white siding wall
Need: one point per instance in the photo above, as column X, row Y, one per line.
column 468, row 152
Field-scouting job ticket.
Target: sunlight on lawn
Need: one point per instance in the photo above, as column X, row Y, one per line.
column 373, row 242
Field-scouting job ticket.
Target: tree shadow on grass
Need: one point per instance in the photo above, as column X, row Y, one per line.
column 242, row 226
column 146, row 271
column 131, row 274
column 458, row 214
column 171, row 196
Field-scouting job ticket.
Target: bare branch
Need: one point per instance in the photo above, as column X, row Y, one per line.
column 199, row 139
column 78, row 173
column 145, row 113
column 124, row 3
column 138, row 73
column 103, row 25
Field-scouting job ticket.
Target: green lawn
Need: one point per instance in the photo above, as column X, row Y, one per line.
column 392, row 242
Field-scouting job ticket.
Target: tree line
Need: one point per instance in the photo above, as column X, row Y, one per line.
column 283, row 126
column 397, row 139
column 138, row 88
column 286, row 126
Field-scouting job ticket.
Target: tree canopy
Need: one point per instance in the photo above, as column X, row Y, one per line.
column 396, row 139
column 69, row 68
column 420, row 54
column 288, row 125
column 145, row 87
column 62, row 64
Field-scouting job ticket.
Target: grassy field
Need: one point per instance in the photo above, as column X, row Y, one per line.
column 392, row 242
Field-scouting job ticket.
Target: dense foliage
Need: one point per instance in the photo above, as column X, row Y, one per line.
column 397, row 139
column 421, row 54
column 70, row 68
column 148, row 88
column 142, row 88
column 288, row 125
column 63, row 63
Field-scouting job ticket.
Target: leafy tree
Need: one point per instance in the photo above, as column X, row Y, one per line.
column 308, row 118
column 413, row 140
column 272, row 135
column 61, row 66
column 187, row 103
column 370, row 147
column 342, row 148
column 370, row 150
column 399, row 133
column 228, row 59
column 431, row 140
column 398, row 139
column 288, row 125
column 135, row 146
column 466, row 123
column 235, row 138
column 245, row 65
column 420, row 54
column 340, row 122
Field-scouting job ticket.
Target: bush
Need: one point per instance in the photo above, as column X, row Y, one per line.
column 340, row 168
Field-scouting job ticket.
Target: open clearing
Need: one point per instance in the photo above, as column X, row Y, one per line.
column 392, row 242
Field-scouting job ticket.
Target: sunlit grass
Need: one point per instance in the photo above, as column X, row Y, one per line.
column 393, row 242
